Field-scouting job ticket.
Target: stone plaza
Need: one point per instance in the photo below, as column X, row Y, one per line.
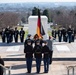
column 64, row 55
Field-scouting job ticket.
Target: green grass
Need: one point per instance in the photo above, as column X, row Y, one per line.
column 26, row 33
column 49, row 33
column 19, row 27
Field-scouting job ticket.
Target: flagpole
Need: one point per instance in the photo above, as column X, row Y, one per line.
column 40, row 29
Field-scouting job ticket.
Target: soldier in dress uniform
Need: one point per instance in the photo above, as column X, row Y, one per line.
column 22, row 33
column 64, row 34
column 46, row 54
column 73, row 35
column 54, row 34
column 28, row 38
column 38, row 55
column 2, row 63
column 60, row 34
column 3, row 35
column 16, row 32
column 7, row 31
column 11, row 35
column 28, row 50
column 69, row 32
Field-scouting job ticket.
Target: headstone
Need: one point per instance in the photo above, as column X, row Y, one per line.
column 32, row 25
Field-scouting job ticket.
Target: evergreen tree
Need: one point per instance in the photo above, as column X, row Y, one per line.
column 45, row 12
column 35, row 11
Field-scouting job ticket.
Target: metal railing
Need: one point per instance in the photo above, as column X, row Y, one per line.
column 6, row 69
column 72, row 69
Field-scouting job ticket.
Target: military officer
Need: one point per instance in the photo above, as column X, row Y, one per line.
column 3, row 35
column 7, row 31
column 11, row 34
column 28, row 50
column 60, row 34
column 16, row 32
column 54, row 34
column 73, row 35
column 38, row 55
column 69, row 32
column 46, row 54
column 22, row 33
column 28, row 38
column 64, row 34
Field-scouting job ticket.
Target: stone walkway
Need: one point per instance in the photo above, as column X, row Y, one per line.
column 56, row 68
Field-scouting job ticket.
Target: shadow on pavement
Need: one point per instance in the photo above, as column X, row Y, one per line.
column 10, row 44
column 23, row 66
column 14, row 67
column 29, row 74
column 15, row 55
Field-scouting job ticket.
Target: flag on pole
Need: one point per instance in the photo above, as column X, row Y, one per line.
column 40, row 29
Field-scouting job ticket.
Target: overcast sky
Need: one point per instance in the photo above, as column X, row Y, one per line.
column 16, row 1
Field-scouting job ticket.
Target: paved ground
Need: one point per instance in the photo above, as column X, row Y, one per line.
column 60, row 50
column 57, row 68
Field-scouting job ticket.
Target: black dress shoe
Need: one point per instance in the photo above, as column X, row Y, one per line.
column 46, row 72
column 37, row 72
column 28, row 72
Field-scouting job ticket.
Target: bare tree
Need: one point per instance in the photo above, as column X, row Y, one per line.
column 8, row 19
